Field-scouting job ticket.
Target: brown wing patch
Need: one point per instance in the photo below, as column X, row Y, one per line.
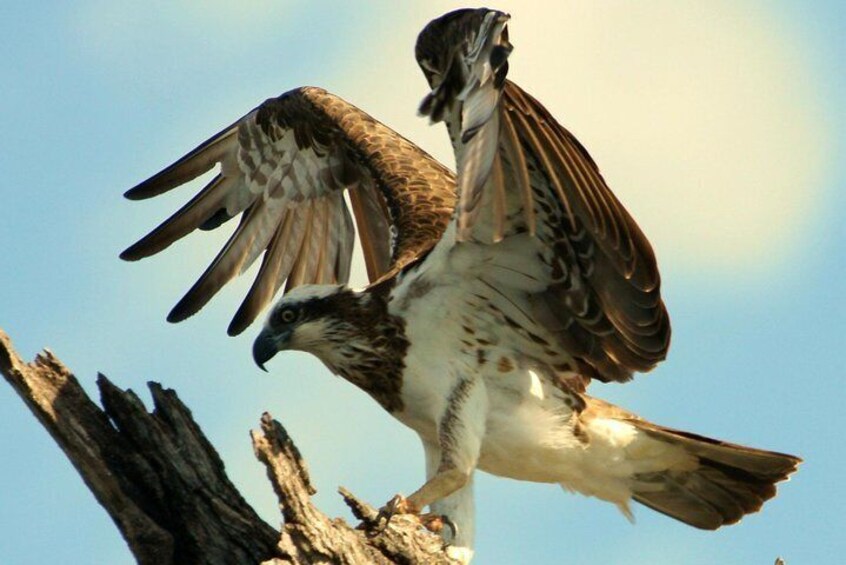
column 603, row 303
column 581, row 188
column 283, row 168
column 418, row 192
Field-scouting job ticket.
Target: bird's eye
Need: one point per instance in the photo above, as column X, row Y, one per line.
column 287, row 316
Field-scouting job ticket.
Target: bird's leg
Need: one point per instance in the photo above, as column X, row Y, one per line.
column 450, row 464
column 452, row 515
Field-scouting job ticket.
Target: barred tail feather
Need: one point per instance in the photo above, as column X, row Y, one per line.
column 729, row 481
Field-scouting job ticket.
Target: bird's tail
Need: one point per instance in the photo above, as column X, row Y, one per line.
column 723, row 483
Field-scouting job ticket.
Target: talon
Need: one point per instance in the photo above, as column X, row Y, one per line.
column 436, row 523
column 433, row 522
column 453, row 527
column 397, row 505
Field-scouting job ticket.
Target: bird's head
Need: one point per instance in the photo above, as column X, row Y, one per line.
column 460, row 50
column 308, row 318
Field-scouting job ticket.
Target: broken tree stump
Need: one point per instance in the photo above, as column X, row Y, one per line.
column 165, row 487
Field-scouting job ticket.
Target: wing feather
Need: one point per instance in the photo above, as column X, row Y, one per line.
column 329, row 249
column 520, row 173
column 284, row 168
column 187, row 219
column 275, row 268
column 588, row 281
column 229, row 262
column 596, row 205
column 376, row 249
column 201, row 160
column 345, row 242
column 305, row 266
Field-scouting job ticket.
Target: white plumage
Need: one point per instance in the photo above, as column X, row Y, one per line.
column 513, row 423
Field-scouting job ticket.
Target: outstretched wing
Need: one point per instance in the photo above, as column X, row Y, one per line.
column 572, row 271
column 284, row 168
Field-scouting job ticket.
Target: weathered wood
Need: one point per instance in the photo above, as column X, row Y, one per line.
column 401, row 538
column 166, row 488
column 156, row 475
column 310, row 536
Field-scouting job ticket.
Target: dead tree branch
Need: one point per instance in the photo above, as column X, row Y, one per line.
column 166, row 489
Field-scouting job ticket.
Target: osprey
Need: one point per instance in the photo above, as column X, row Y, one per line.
column 496, row 294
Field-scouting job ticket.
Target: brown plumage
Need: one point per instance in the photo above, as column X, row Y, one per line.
column 623, row 325
column 722, row 483
column 284, row 168
column 728, row 482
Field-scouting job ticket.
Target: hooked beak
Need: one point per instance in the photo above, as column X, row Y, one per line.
column 268, row 344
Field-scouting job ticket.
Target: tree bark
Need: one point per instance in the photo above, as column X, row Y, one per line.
column 165, row 486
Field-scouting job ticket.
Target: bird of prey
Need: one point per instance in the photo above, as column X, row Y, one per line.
column 496, row 294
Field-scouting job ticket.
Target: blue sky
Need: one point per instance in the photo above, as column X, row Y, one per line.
column 720, row 125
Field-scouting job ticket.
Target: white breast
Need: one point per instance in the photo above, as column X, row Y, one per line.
column 432, row 368
column 529, row 429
